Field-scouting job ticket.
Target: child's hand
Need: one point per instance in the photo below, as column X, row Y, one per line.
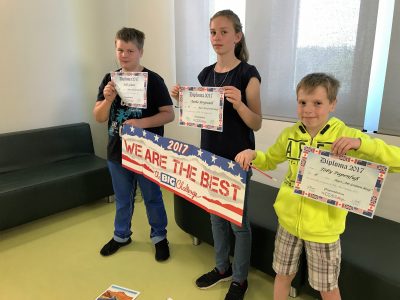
column 245, row 157
column 110, row 92
column 174, row 92
column 344, row 144
column 234, row 96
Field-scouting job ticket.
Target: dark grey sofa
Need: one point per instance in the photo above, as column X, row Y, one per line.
column 47, row 170
column 370, row 248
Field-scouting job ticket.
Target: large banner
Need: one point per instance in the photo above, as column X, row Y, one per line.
column 214, row 183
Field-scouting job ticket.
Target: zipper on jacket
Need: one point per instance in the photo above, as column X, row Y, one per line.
column 310, row 142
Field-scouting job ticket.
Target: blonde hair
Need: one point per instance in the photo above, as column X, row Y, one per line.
column 313, row 80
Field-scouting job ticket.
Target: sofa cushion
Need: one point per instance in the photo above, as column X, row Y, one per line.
column 36, row 192
column 47, row 170
column 370, row 258
column 35, row 147
column 28, row 177
column 260, row 205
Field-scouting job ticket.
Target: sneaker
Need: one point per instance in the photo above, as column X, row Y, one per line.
column 112, row 246
column 212, row 278
column 236, row 291
column 162, row 250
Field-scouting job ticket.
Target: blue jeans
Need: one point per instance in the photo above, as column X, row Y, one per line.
column 124, row 184
column 221, row 234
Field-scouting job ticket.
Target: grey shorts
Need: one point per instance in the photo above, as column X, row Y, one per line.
column 323, row 260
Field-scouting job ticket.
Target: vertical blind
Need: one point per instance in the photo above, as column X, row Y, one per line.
column 288, row 39
column 389, row 122
column 191, row 40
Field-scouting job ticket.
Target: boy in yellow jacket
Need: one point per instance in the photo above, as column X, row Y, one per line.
column 302, row 221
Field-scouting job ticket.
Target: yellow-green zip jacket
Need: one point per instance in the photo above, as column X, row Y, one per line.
column 305, row 218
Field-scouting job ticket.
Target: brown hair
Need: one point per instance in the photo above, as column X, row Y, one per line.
column 311, row 81
column 241, row 51
column 131, row 35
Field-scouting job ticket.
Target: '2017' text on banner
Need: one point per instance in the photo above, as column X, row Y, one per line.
column 214, row 183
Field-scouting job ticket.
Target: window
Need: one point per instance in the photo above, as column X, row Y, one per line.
column 329, row 41
column 383, row 85
column 288, row 39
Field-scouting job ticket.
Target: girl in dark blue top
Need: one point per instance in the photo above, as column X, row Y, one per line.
column 242, row 115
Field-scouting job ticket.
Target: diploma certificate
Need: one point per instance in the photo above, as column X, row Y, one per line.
column 131, row 87
column 201, row 107
column 342, row 181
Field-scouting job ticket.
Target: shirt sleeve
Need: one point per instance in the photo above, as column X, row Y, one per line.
column 253, row 72
column 274, row 155
column 380, row 152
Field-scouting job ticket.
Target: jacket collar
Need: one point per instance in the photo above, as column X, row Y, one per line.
column 324, row 129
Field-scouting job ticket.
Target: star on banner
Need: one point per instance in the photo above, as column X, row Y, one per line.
column 156, row 138
column 199, row 153
column 213, row 158
column 231, row 165
column 240, row 177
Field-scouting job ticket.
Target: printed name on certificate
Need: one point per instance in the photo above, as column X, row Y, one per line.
column 201, row 107
column 131, row 87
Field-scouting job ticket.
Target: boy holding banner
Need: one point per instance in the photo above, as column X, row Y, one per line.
column 303, row 221
column 153, row 111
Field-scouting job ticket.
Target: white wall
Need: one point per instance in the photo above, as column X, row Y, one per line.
column 55, row 53
column 40, row 81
